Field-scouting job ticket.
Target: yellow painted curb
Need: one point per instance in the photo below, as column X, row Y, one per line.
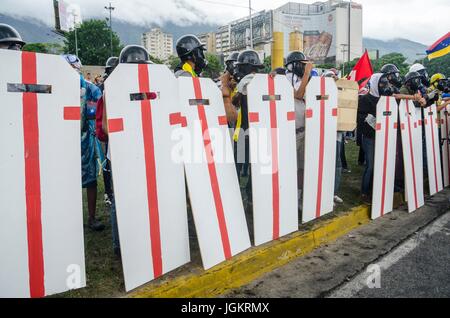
column 257, row 261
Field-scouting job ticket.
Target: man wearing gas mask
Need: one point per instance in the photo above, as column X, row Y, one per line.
column 246, row 66
column 367, row 112
column 10, row 39
column 229, row 90
column 393, row 76
column 298, row 73
column 192, row 55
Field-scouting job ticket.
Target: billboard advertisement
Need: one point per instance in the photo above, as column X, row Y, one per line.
column 319, row 34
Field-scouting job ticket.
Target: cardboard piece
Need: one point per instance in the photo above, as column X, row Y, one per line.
column 347, row 104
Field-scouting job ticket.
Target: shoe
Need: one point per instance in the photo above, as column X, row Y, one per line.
column 338, row 200
column 96, row 225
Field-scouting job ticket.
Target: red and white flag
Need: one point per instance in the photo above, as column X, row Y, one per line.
column 362, row 71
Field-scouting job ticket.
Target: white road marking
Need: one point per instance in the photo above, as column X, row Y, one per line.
column 358, row 283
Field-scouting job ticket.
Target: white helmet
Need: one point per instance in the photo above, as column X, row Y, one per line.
column 417, row 68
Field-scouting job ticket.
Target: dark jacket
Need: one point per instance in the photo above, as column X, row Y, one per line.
column 367, row 104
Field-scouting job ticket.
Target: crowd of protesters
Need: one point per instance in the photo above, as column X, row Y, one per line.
column 241, row 67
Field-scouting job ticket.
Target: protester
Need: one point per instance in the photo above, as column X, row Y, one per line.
column 367, row 112
column 191, row 53
column 229, row 89
column 90, row 94
column 111, row 64
column 298, row 73
column 10, row 39
column 247, row 65
column 393, row 75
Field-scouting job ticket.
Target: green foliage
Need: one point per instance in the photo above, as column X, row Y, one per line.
column 214, row 66
column 49, row 48
column 173, row 62
column 439, row 65
column 267, row 65
column 94, row 38
column 326, row 66
column 156, row 60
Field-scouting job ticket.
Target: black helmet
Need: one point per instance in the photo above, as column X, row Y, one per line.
column 249, row 57
column 389, row 69
column 9, row 35
column 413, row 80
column 295, row 56
column 186, row 45
column 295, row 63
column 111, row 64
column 392, row 74
column 232, row 57
column 134, row 54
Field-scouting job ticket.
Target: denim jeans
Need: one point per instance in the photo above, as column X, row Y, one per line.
column 368, row 145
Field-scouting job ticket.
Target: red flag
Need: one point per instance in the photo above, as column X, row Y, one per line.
column 362, row 71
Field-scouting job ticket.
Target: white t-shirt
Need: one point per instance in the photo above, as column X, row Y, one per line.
column 300, row 106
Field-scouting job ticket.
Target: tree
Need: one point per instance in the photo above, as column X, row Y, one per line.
column 267, row 64
column 156, row 60
column 49, row 48
column 94, row 42
column 214, row 66
column 173, row 61
column 439, row 65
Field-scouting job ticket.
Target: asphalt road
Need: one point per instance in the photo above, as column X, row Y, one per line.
column 406, row 255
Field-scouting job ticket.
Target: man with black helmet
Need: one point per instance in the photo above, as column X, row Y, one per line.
column 131, row 54
column 393, row 75
column 246, row 66
column 192, row 55
column 229, row 89
column 298, row 73
column 10, row 39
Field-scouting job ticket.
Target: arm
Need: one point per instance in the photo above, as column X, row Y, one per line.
column 300, row 93
column 230, row 110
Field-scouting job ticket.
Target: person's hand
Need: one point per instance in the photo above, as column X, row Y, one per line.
column 423, row 102
column 273, row 74
column 308, row 68
column 417, row 97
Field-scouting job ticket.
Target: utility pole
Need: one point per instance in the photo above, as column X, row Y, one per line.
column 74, row 15
column 110, row 9
column 343, row 50
column 251, row 23
column 349, row 29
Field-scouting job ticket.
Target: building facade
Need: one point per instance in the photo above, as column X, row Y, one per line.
column 331, row 31
column 158, row 43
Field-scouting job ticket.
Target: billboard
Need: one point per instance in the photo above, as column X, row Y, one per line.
column 67, row 15
column 262, row 31
column 319, row 34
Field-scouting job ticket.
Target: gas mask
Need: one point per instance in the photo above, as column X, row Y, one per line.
column 241, row 71
column 395, row 79
column 385, row 88
column 425, row 78
column 298, row 68
column 199, row 60
column 414, row 84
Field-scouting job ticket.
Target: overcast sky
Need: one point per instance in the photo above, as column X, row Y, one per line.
column 420, row 20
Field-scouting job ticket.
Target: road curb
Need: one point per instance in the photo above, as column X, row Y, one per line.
column 256, row 261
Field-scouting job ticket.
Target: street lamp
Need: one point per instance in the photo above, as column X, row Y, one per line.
column 110, row 9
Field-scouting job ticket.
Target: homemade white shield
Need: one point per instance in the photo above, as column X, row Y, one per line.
column 211, row 174
column 149, row 183
column 433, row 152
column 272, row 136
column 411, row 132
column 385, row 151
column 41, row 213
column 445, row 133
column 320, row 147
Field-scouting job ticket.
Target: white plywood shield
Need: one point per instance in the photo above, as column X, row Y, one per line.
column 211, row 174
column 411, row 133
column 41, row 213
column 433, row 152
column 148, row 183
column 272, row 136
column 320, row 147
column 445, row 133
column 385, row 151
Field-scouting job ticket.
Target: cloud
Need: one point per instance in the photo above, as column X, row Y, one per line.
column 418, row 20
